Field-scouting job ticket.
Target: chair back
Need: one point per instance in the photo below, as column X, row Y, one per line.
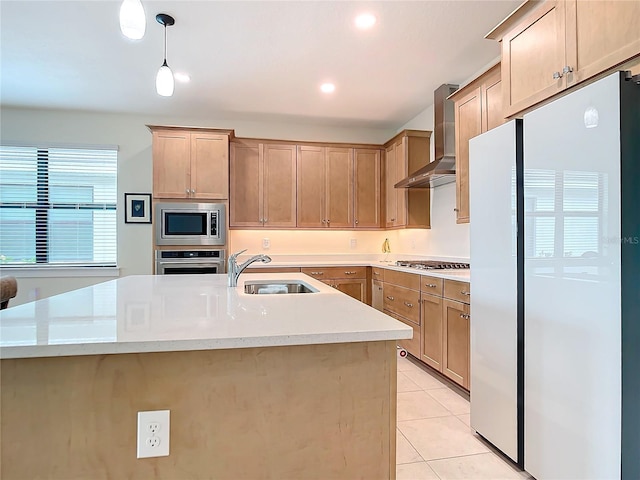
column 8, row 290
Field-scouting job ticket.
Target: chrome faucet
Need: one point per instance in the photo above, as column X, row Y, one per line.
column 234, row 270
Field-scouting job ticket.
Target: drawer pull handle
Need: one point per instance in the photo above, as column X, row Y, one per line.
column 466, row 316
column 376, row 273
column 317, row 273
column 350, row 273
column 410, row 305
column 430, row 285
column 390, row 298
column 557, row 75
column 464, row 292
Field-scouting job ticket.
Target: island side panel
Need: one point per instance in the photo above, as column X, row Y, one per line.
column 317, row 411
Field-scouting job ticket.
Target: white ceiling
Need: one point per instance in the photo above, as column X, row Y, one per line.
column 247, row 60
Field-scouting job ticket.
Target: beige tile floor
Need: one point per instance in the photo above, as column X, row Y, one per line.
column 434, row 439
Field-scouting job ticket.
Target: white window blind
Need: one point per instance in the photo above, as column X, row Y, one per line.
column 58, row 206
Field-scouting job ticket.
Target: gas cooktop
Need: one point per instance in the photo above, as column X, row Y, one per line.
column 430, row 264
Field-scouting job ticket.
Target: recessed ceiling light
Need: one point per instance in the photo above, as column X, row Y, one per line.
column 182, row 77
column 328, row 87
column 365, row 21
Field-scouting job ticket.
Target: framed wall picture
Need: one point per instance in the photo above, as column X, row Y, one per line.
column 137, row 208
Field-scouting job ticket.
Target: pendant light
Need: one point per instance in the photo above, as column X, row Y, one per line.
column 133, row 22
column 164, row 79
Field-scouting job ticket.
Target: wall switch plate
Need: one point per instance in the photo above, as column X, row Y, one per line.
column 353, row 243
column 153, row 434
column 266, row 243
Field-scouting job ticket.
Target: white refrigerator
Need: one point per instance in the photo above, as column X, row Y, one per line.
column 555, row 268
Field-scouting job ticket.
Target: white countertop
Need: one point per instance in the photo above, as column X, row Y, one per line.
column 148, row 313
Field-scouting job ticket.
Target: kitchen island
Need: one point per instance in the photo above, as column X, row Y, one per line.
column 259, row 386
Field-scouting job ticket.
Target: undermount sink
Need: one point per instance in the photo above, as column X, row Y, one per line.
column 272, row 287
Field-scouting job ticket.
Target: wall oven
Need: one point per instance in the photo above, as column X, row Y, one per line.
column 183, row 262
column 190, row 224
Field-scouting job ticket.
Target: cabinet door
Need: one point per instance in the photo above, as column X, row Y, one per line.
column 279, row 185
column 468, row 120
column 455, row 342
column 366, row 188
column 311, row 187
column 377, row 295
column 531, row 53
column 411, row 345
column 402, row 168
column 209, row 166
column 171, row 164
column 432, row 331
column 339, row 187
column 600, row 35
column 391, row 200
column 245, row 203
column 353, row 287
column 491, row 91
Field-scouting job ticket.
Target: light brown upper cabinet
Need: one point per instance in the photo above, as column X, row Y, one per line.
column 366, row 188
column 190, row 163
column 406, row 153
column 552, row 45
column 263, row 185
column 325, row 187
column 478, row 108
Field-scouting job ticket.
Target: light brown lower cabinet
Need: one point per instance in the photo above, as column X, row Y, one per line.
column 377, row 295
column 432, row 330
column 349, row 280
column 272, row 269
column 455, row 341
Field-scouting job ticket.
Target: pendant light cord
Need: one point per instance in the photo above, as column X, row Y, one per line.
column 165, row 44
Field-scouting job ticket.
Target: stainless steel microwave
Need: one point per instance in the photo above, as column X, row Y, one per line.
column 190, row 224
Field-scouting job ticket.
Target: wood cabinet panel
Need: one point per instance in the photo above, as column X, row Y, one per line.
column 377, row 295
column 402, row 170
column 279, row 185
column 468, row 120
column 600, row 35
column 171, row 164
column 491, row 90
column 311, row 186
column 408, row 280
column 190, row 164
column 456, row 335
column 531, row 53
column 272, row 270
column 367, row 193
column 402, row 301
column 339, row 198
column 431, row 323
column 354, row 287
column 322, row 273
column 209, row 166
column 246, row 195
column 456, row 290
column 431, row 285
column 391, row 198
column 377, row 273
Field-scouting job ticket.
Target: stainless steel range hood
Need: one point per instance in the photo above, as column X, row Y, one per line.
column 443, row 168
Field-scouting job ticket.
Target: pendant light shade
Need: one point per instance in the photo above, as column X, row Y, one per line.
column 164, row 79
column 133, row 22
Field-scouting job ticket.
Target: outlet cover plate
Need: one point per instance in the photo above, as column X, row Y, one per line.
column 153, row 433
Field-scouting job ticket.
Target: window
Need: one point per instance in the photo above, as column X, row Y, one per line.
column 58, row 206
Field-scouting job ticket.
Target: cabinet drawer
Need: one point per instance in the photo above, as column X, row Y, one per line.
column 272, row 269
column 408, row 280
column 402, row 301
column 431, row 285
column 455, row 290
column 335, row 272
column 411, row 345
column 377, row 273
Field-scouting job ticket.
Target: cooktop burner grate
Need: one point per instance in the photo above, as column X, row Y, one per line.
column 430, row 264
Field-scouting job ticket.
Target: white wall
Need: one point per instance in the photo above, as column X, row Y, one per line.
column 135, row 251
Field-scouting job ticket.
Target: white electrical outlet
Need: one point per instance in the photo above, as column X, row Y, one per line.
column 353, row 243
column 266, row 243
column 153, row 434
